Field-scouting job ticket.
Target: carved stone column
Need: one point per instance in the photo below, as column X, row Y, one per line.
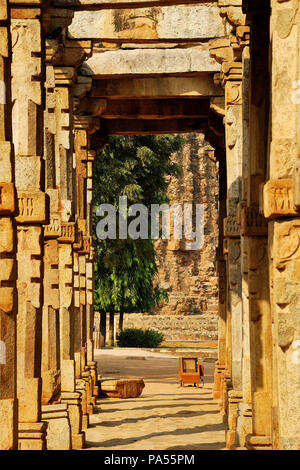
column 50, row 327
column 8, row 242
column 69, row 394
column 234, row 147
column 27, row 120
column 85, row 314
column 221, row 269
column 254, row 229
column 229, row 53
column 281, row 207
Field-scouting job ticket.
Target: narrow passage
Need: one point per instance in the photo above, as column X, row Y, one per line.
column 164, row 417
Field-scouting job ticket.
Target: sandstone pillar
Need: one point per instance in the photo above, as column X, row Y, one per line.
column 69, row 394
column 281, row 207
column 233, row 135
column 221, row 270
column 27, row 119
column 66, row 181
column 50, row 323
column 8, row 232
column 254, row 229
column 84, row 269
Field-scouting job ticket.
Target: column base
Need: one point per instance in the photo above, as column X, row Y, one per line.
column 82, row 388
column 78, row 441
column 58, row 430
column 259, row 442
column 85, row 421
column 32, row 436
column 219, row 369
column 73, row 400
column 234, row 399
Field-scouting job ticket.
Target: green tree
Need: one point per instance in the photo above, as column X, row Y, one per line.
column 135, row 167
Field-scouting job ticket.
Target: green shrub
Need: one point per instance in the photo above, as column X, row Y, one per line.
column 135, row 338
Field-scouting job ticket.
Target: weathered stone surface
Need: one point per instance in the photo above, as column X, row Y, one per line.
column 182, row 22
column 150, row 62
column 58, row 429
column 278, row 199
column 33, row 207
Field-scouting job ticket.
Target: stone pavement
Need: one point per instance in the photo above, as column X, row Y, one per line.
column 164, row 417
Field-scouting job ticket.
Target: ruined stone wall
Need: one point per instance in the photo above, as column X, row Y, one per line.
column 188, row 276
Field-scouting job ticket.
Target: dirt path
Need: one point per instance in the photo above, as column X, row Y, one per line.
column 164, row 417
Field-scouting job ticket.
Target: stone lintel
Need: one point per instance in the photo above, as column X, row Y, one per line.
column 163, row 87
column 151, row 109
column 152, row 126
column 153, row 62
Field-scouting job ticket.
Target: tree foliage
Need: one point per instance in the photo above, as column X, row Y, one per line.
column 135, row 167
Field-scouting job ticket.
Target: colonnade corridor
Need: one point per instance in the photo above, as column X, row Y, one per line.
column 73, row 73
column 166, row 416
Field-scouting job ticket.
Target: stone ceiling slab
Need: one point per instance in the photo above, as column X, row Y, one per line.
column 100, row 4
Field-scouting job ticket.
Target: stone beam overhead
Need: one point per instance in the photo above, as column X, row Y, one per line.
column 117, row 4
column 149, row 109
column 166, row 87
column 150, row 62
column 177, row 23
column 142, row 127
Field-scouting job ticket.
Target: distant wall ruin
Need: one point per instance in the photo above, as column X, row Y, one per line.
column 189, row 276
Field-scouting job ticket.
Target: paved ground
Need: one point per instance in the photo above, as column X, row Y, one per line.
column 164, row 417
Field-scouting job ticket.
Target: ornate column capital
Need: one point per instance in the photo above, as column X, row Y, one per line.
column 65, row 76
column 85, row 122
